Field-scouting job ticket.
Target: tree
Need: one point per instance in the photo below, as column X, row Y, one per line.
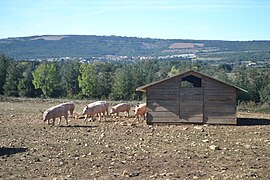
column 221, row 75
column 265, row 89
column 265, row 94
column 104, row 79
column 255, row 81
column 25, row 86
column 46, row 78
column 141, row 73
column 14, row 74
column 173, row 71
column 4, row 63
column 243, row 80
column 95, row 80
column 87, row 80
column 70, row 72
column 226, row 67
column 122, row 88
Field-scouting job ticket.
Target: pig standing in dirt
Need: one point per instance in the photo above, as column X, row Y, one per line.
column 70, row 106
column 122, row 107
column 95, row 108
column 106, row 104
column 140, row 110
column 55, row 112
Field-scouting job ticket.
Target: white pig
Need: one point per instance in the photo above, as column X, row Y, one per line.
column 70, row 106
column 106, row 104
column 95, row 108
column 55, row 112
column 122, row 107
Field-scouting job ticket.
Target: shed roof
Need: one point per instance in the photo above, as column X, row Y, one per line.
column 190, row 72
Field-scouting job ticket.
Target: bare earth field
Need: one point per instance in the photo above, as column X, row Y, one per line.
column 123, row 148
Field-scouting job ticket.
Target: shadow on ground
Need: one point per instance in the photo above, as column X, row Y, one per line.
column 76, row 126
column 252, row 121
column 8, row 151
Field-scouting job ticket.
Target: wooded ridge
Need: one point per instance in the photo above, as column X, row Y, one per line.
column 56, row 46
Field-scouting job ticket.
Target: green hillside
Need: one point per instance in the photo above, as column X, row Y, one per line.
column 56, row 46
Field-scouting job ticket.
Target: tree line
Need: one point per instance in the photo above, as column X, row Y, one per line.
column 117, row 81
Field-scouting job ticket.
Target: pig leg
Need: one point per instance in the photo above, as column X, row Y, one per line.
column 140, row 119
column 85, row 119
column 71, row 112
column 99, row 116
column 92, row 118
column 66, row 118
column 59, row 121
column 104, row 117
column 53, row 121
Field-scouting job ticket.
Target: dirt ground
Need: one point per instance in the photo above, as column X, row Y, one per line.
column 123, row 148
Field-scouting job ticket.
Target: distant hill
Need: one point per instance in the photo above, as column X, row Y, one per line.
column 55, row 46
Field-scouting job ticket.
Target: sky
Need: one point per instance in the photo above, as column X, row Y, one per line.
column 166, row 19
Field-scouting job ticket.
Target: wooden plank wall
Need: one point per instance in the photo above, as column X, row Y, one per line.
column 191, row 104
column 163, row 102
column 219, row 103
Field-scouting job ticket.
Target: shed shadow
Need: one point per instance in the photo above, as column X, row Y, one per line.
column 9, row 151
column 252, row 121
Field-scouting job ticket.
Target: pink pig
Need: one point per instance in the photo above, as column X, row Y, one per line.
column 122, row 107
column 140, row 111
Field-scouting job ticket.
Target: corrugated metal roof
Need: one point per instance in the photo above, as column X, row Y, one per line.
column 143, row 88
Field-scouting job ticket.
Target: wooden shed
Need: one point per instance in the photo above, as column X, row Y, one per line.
column 191, row 97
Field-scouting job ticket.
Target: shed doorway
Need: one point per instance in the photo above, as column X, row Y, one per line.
column 191, row 99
